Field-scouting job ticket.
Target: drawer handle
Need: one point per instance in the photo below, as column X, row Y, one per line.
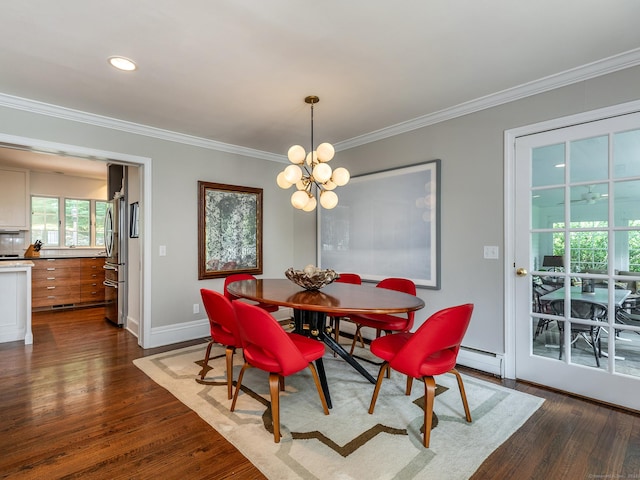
column 51, row 296
column 51, row 268
column 51, row 278
column 50, row 288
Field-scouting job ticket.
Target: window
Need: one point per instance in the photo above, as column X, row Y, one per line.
column 81, row 221
column 45, row 220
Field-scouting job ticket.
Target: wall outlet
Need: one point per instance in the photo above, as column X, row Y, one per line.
column 196, row 308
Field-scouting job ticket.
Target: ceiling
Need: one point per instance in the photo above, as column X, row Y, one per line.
column 236, row 72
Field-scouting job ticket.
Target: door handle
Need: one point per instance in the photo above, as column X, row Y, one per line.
column 521, row 272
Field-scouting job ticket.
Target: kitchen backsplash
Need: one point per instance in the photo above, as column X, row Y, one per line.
column 13, row 243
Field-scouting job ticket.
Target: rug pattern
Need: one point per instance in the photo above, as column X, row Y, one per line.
column 349, row 443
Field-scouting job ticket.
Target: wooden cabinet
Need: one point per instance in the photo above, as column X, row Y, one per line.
column 14, row 199
column 91, row 278
column 67, row 282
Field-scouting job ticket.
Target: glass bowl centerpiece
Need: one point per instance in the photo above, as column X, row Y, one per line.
column 311, row 278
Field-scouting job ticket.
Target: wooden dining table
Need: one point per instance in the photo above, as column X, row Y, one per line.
column 311, row 308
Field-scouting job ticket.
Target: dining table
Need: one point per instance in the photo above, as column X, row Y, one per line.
column 599, row 295
column 312, row 307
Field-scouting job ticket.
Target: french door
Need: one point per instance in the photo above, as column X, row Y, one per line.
column 577, row 259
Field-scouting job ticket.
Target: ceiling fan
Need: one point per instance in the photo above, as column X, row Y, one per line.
column 589, row 197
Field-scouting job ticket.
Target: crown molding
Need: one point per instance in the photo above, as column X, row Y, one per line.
column 595, row 69
column 598, row 68
column 42, row 108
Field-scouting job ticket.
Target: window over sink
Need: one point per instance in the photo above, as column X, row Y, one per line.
column 79, row 222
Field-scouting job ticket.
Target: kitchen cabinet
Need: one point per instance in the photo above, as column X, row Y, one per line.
column 15, row 305
column 67, row 282
column 14, row 199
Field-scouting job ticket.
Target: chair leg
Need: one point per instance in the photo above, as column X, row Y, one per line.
column 357, row 335
column 463, row 395
column 409, row 385
column 229, row 358
column 316, row 379
column 383, row 369
column 274, row 390
column 429, row 396
column 238, row 385
column 206, row 360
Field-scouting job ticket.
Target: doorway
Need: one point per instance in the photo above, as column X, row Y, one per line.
column 574, row 323
column 140, row 298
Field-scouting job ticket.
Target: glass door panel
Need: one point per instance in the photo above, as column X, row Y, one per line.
column 578, row 224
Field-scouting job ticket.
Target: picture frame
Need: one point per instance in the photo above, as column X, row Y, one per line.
column 386, row 224
column 229, row 230
column 134, row 220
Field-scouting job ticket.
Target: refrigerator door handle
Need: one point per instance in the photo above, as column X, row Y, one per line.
column 108, row 266
column 110, row 283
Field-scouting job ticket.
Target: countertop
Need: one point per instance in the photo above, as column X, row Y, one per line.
column 43, row 257
column 12, row 263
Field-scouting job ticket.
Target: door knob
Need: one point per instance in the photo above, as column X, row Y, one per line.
column 521, row 272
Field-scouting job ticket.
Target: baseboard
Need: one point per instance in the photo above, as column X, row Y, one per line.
column 483, row 361
column 133, row 326
column 179, row 332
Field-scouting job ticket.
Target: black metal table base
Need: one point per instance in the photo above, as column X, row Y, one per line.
column 312, row 324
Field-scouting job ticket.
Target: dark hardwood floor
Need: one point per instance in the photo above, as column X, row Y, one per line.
column 73, row 405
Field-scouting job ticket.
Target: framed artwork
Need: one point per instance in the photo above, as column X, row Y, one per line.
column 229, row 230
column 386, row 224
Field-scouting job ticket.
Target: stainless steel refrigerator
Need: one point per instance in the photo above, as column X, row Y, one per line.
column 115, row 239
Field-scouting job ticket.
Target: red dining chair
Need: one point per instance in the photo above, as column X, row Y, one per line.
column 268, row 347
column 431, row 350
column 237, row 277
column 385, row 322
column 224, row 330
column 354, row 279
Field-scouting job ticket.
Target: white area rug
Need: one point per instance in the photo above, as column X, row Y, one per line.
column 349, row 443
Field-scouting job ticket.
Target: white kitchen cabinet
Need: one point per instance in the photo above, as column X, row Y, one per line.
column 15, row 301
column 14, row 199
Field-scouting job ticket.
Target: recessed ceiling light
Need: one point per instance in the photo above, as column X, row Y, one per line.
column 122, row 63
column 559, row 165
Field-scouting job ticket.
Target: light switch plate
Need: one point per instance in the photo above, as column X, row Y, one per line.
column 491, row 252
column 163, row 251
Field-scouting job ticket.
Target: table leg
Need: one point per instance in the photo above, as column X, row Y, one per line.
column 323, row 382
column 312, row 324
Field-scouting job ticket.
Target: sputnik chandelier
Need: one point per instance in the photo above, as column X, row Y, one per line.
column 311, row 174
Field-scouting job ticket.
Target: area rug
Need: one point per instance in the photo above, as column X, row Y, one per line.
column 349, row 443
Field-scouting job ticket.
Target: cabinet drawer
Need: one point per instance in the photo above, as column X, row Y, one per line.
column 40, row 291
column 57, row 262
column 92, row 293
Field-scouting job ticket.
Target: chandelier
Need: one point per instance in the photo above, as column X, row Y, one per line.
column 311, row 174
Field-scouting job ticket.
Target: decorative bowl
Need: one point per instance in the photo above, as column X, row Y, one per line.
column 311, row 281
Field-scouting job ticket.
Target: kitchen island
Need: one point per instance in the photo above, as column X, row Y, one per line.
column 15, row 301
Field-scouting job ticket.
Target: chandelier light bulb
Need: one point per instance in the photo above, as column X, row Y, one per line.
column 296, row 154
column 299, row 199
column 312, row 158
column 328, row 199
column 340, row 176
column 311, row 205
column 301, row 184
column 325, row 152
column 329, row 185
column 282, row 182
column 292, row 174
column 322, row 172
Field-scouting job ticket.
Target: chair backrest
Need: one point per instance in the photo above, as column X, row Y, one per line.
column 581, row 309
column 441, row 334
column 222, row 317
column 353, row 278
column 403, row 285
column 236, row 277
column 264, row 340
